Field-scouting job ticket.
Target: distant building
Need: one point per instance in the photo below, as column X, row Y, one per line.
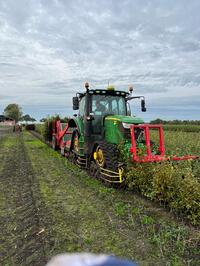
column 6, row 121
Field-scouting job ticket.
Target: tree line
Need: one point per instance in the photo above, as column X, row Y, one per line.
column 14, row 111
column 175, row 122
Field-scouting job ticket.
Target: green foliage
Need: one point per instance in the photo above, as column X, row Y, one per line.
column 27, row 118
column 147, row 220
column 169, row 183
column 176, row 184
column 179, row 125
column 47, row 128
column 187, row 200
column 170, row 240
column 184, row 128
column 175, row 122
column 39, row 128
column 120, row 208
column 13, row 111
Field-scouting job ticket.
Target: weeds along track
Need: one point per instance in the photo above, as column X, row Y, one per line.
column 21, row 242
column 38, row 135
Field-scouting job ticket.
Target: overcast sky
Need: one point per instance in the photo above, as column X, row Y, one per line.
column 48, row 49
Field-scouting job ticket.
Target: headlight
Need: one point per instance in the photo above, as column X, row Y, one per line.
column 126, row 125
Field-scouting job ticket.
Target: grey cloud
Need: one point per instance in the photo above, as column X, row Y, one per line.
column 6, row 97
column 53, row 47
column 178, row 103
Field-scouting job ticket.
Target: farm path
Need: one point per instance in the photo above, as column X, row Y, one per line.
column 21, row 244
column 49, row 206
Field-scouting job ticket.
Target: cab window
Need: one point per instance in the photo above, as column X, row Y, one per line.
column 102, row 105
column 82, row 107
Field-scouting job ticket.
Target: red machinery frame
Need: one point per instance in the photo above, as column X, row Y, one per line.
column 59, row 134
column 149, row 157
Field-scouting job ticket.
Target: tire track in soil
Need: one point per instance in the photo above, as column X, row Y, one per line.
column 21, row 237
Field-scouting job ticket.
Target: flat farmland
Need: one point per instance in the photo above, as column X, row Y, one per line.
column 50, row 206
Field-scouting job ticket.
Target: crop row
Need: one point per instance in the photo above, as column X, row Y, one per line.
column 176, row 184
column 184, row 128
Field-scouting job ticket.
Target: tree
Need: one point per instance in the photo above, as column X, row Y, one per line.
column 28, row 118
column 158, row 121
column 13, row 111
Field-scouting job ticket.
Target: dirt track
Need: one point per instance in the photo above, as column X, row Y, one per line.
column 20, row 223
column 49, row 206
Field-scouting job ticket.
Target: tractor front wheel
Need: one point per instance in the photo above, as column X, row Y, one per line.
column 106, row 156
column 94, row 170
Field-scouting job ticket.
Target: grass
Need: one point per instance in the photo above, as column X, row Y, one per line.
column 89, row 217
column 77, row 213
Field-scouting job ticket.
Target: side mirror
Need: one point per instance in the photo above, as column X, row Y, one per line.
column 143, row 107
column 128, row 109
column 75, row 103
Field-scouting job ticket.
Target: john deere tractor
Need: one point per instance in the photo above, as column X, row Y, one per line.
column 94, row 137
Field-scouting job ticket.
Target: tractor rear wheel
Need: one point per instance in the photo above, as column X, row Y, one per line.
column 74, row 148
column 75, row 143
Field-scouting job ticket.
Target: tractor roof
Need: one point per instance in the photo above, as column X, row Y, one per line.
column 105, row 92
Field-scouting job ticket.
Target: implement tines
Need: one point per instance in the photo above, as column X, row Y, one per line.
column 148, row 156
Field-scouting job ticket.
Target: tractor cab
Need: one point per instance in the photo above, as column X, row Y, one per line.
column 106, row 105
column 96, row 107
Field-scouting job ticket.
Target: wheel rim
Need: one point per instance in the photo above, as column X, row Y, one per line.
column 76, row 143
column 99, row 157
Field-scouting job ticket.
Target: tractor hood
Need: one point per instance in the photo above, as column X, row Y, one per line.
column 125, row 119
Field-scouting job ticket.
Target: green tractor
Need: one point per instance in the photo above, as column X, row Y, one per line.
column 104, row 125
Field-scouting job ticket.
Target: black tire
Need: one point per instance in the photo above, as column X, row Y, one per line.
column 110, row 152
column 94, row 170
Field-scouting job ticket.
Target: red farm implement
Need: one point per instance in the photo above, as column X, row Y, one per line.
column 149, row 155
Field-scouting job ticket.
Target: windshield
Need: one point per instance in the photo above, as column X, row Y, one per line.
column 108, row 104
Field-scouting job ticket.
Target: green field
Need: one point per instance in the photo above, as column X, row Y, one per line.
column 49, row 206
column 181, row 142
column 184, row 128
